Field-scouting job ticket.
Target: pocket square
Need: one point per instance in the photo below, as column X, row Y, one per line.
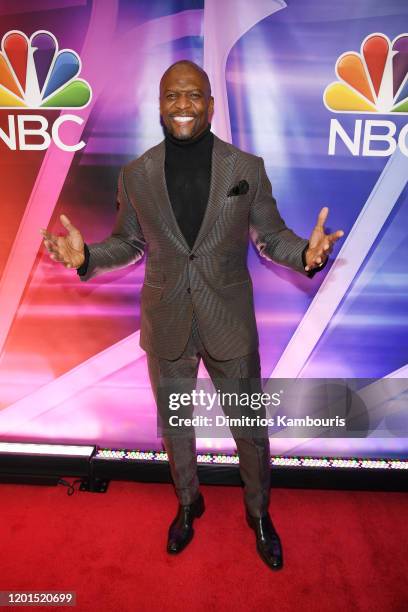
column 239, row 189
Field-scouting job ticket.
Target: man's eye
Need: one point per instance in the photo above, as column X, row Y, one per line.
column 195, row 95
column 171, row 96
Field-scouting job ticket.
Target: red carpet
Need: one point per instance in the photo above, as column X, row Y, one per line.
column 343, row 550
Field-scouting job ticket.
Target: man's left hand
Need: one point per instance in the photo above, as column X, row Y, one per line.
column 320, row 243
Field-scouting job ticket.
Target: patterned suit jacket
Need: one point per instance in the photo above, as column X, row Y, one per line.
column 212, row 278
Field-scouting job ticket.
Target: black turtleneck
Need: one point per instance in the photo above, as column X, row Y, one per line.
column 188, row 176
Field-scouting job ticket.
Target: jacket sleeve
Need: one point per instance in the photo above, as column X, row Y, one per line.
column 126, row 244
column 268, row 230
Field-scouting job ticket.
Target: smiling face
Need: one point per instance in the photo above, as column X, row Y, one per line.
column 186, row 104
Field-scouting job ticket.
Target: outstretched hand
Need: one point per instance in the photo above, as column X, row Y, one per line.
column 68, row 249
column 320, row 243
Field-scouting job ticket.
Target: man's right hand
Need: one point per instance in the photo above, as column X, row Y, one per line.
column 69, row 249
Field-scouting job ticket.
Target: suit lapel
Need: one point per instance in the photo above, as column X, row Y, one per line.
column 157, row 181
column 222, row 164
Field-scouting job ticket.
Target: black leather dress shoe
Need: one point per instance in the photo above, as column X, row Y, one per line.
column 181, row 530
column 268, row 543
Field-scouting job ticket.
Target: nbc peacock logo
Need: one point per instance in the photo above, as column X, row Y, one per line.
column 372, row 81
column 34, row 74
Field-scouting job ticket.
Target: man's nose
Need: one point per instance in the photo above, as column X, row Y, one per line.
column 183, row 102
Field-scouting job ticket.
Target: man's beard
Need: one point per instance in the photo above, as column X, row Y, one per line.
column 182, row 135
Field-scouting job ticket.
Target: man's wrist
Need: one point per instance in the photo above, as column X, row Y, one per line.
column 312, row 272
column 82, row 262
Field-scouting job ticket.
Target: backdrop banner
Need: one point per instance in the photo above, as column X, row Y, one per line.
column 318, row 89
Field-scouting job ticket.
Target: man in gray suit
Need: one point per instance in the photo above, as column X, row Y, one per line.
column 191, row 203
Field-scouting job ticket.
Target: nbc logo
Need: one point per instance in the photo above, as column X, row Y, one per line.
column 372, row 81
column 34, row 74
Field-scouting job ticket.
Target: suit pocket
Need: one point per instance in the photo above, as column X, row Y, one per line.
column 242, row 282
column 151, row 295
column 153, row 277
column 237, row 199
column 235, row 274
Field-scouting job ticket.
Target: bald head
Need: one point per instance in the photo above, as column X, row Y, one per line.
column 186, row 104
column 182, row 65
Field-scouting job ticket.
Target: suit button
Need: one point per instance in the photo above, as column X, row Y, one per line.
column 189, row 290
column 191, row 257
